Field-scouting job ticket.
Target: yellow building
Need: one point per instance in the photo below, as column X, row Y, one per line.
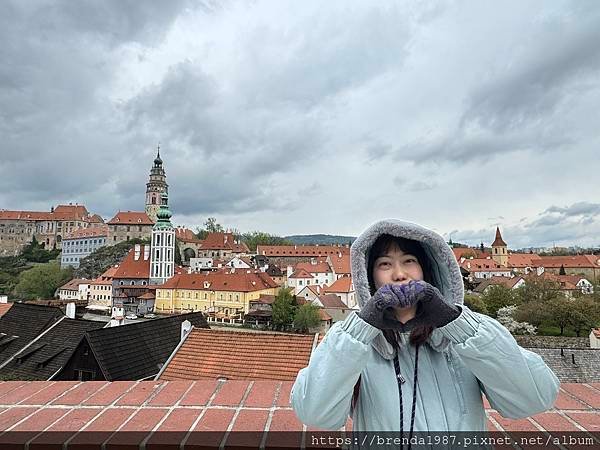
column 499, row 249
column 224, row 294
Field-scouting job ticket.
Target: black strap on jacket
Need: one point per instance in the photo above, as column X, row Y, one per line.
column 400, row 379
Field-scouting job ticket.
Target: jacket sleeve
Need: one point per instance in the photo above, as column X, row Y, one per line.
column 322, row 392
column 516, row 381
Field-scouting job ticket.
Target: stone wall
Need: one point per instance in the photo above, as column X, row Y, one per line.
column 553, row 341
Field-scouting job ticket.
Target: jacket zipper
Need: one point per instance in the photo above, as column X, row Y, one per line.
column 456, row 383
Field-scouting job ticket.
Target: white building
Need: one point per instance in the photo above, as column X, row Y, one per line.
column 162, row 253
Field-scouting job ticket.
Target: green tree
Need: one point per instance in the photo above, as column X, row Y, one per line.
column 283, row 309
column 34, row 252
column 307, row 317
column 41, row 281
column 212, row 226
column 585, row 314
column 559, row 312
column 533, row 312
column 538, row 289
column 496, row 297
column 177, row 253
column 254, row 238
column 475, row 303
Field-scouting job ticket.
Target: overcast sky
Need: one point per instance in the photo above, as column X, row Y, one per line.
column 301, row 117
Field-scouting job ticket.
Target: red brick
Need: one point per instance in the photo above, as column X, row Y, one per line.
column 50, row 393
column 13, row 415
column 109, row 394
column 284, row 420
column 9, row 386
column 583, row 393
column 200, row 393
column 212, row 426
column 172, row 431
column 139, row 394
column 100, row 429
column 589, row 421
column 262, row 394
column 31, row 427
column 513, row 424
column 596, row 385
column 171, row 393
column 486, row 403
column 62, row 430
column 80, row 393
column 23, row 391
column 248, row 421
column 231, row 393
column 136, row 429
column 552, row 421
column 283, row 400
column 565, row 401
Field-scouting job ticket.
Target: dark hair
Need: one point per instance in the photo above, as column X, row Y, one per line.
column 379, row 248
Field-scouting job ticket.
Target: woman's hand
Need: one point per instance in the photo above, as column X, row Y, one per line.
column 380, row 310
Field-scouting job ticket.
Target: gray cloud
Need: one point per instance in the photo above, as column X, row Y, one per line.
column 330, row 111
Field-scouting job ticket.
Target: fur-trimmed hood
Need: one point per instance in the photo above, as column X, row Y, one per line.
column 445, row 269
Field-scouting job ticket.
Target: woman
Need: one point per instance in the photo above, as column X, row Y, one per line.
column 414, row 358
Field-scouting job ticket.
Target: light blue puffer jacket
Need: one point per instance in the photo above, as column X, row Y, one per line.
column 472, row 354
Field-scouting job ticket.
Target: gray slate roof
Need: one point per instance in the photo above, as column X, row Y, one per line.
column 136, row 351
column 585, row 370
column 50, row 352
column 22, row 323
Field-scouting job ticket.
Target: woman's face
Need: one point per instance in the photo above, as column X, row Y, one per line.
column 397, row 267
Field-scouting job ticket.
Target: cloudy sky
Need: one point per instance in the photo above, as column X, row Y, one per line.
column 310, row 117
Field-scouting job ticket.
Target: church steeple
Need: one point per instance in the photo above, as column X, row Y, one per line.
column 499, row 249
column 162, row 256
column 156, row 186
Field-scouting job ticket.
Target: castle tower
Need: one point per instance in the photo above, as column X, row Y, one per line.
column 156, row 186
column 162, row 253
column 499, row 249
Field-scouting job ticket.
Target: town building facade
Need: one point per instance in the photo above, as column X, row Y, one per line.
column 81, row 243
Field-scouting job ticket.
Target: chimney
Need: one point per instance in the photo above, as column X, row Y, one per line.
column 225, row 239
column 3, row 299
column 70, row 310
column 146, row 252
column 186, row 327
column 339, row 254
column 313, row 261
column 136, row 254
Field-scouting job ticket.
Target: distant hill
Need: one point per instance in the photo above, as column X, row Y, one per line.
column 321, row 239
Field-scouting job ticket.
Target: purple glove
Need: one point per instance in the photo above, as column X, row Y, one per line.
column 379, row 311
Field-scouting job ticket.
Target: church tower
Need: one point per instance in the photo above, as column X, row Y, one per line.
column 162, row 253
column 156, row 186
column 499, row 250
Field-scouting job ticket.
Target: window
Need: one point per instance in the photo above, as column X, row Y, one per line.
column 84, row 375
column 128, row 228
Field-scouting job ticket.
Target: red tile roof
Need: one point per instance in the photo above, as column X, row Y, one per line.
column 223, row 241
column 323, row 314
column 131, row 218
column 300, row 250
column 78, row 233
column 483, row 265
column 570, row 262
column 319, row 267
column 498, row 242
column 522, row 260
column 186, row 235
column 459, row 252
column 343, row 284
column 332, row 301
column 340, row 263
column 73, row 285
column 106, row 277
column 134, row 268
column 4, row 307
column 238, row 355
column 238, row 281
column 60, row 213
column 300, row 273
